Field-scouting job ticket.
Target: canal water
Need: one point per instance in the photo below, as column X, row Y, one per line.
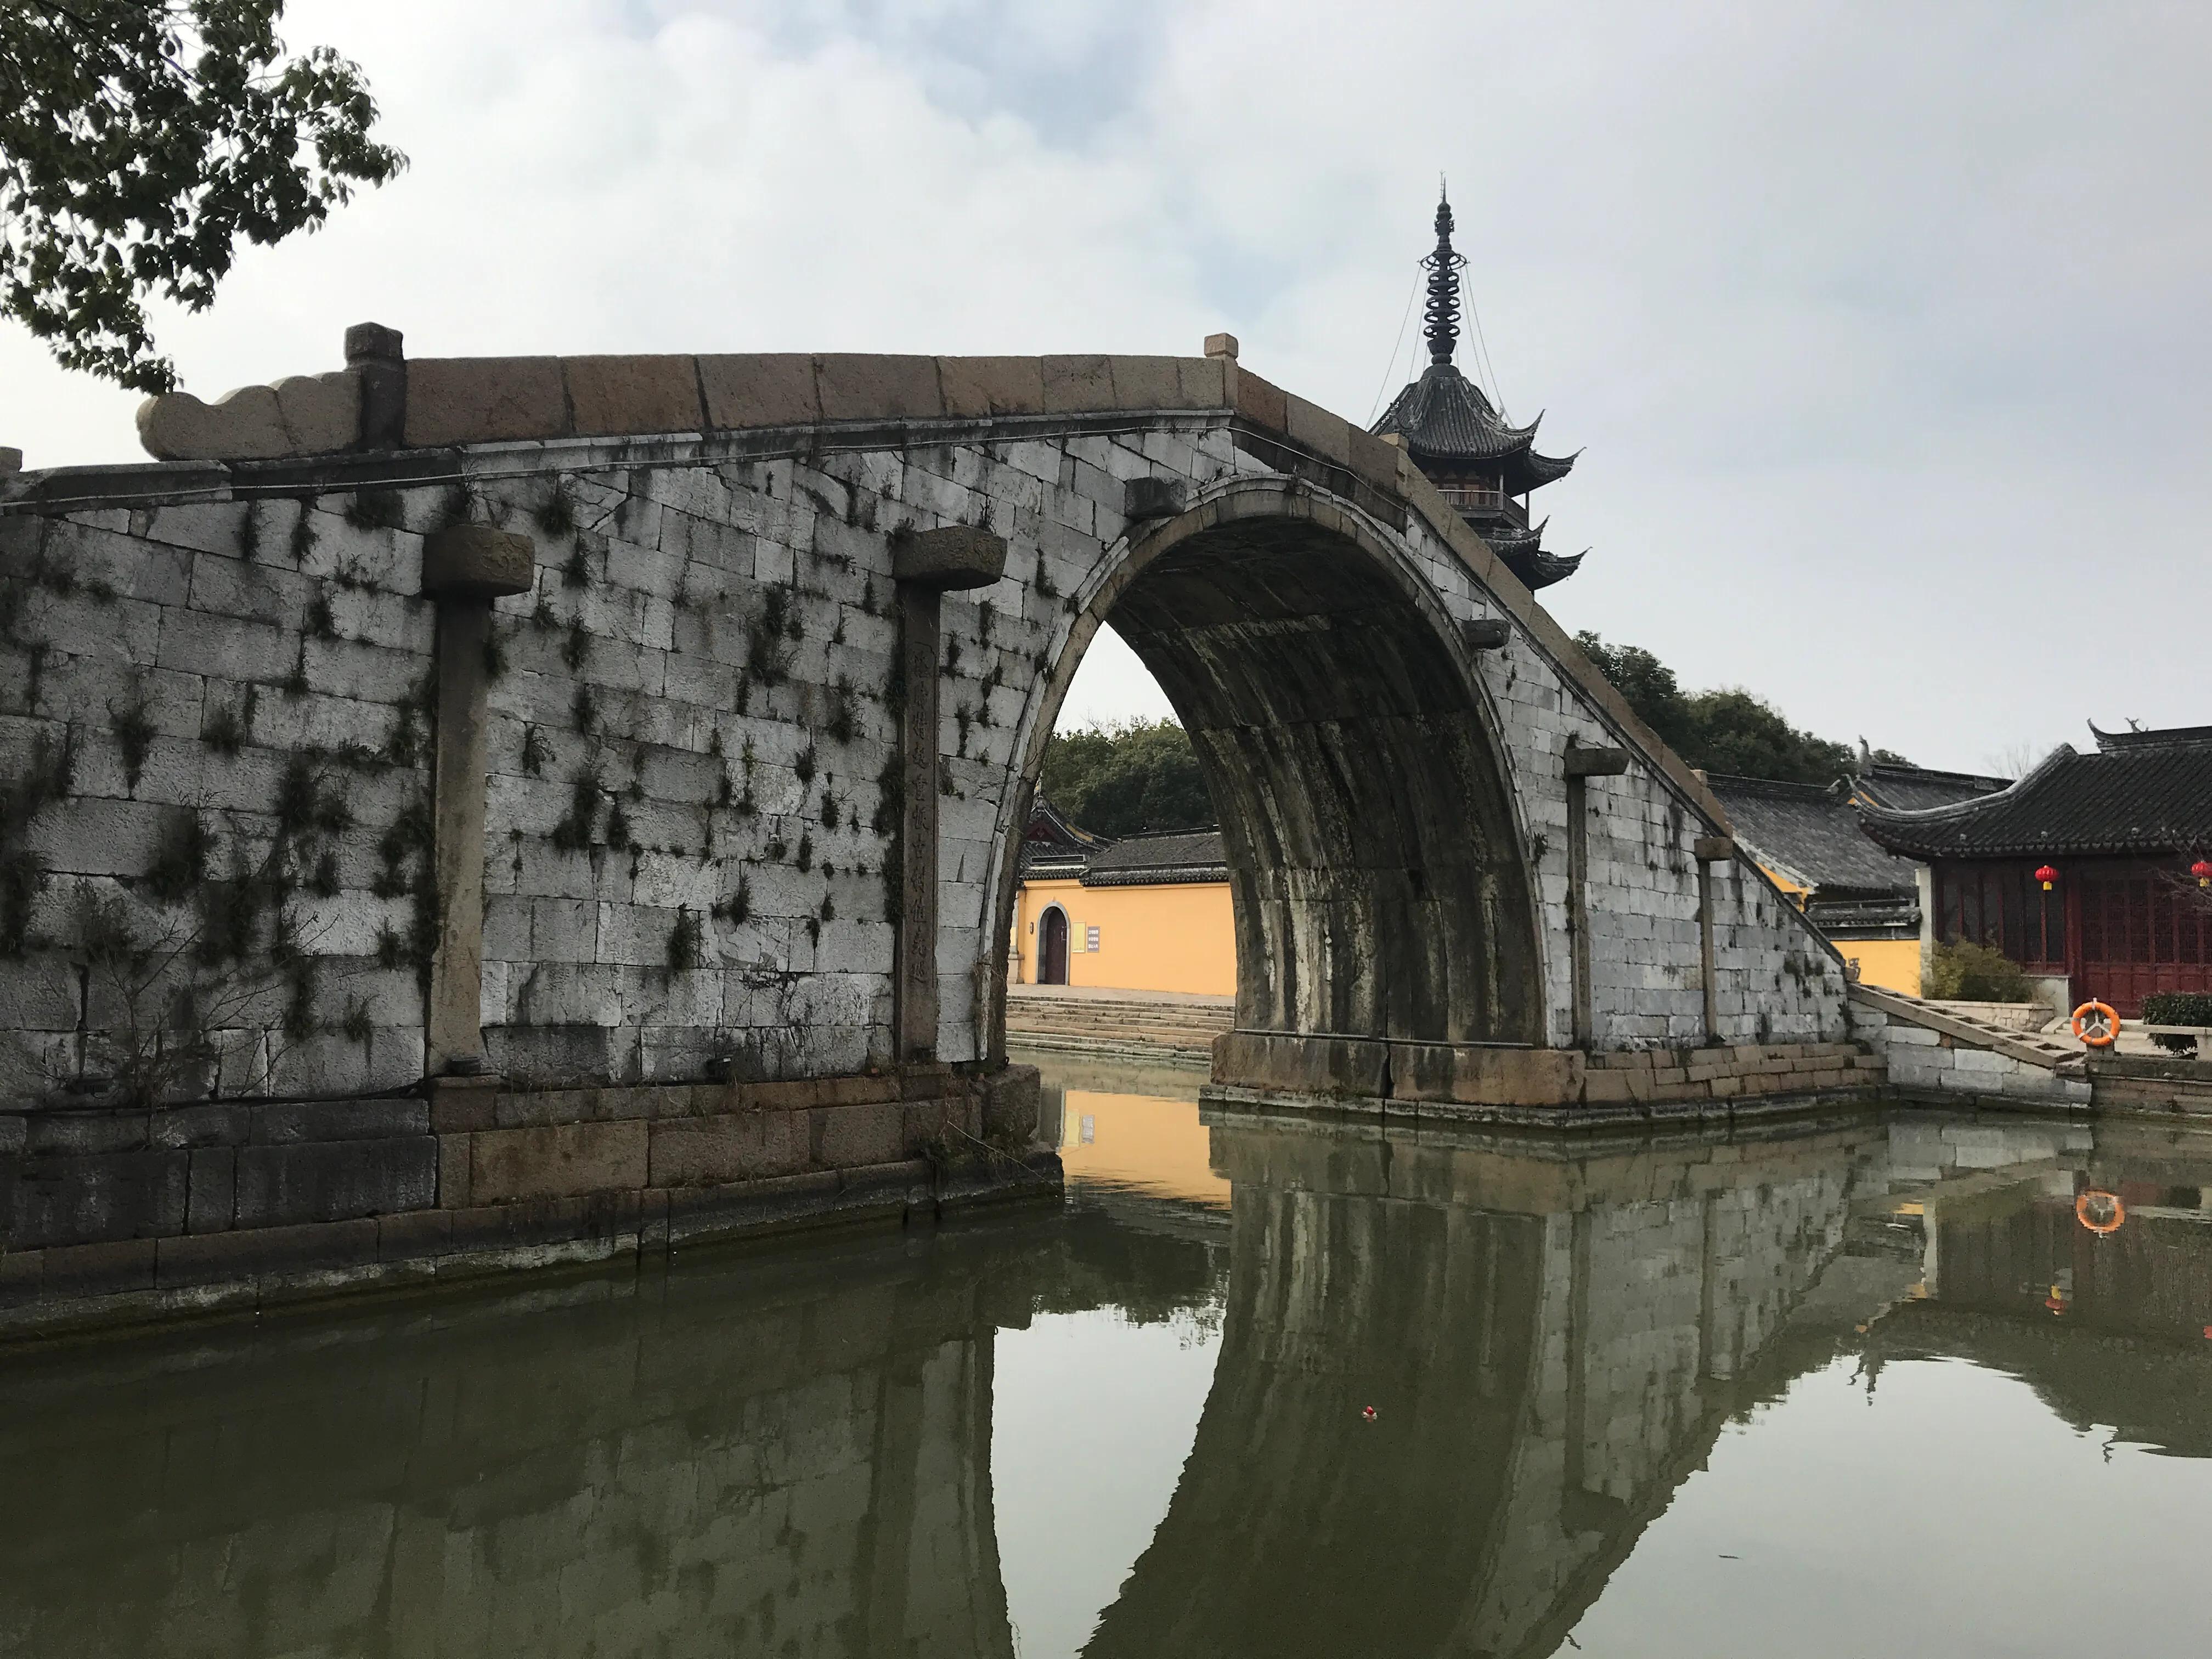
column 1912, row 1384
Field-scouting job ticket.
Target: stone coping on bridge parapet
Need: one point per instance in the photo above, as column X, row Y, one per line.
column 1559, row 1088
column 453, row 401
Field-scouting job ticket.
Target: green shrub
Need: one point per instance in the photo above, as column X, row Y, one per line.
column 1975, row 973
column 2178, row 1008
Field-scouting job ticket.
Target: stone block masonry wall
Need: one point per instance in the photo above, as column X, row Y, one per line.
column 118, row 1217
column 1777, row 982
column 693, row 789
column 1934, row 1053
column 215, row 834
column 2145, row 1083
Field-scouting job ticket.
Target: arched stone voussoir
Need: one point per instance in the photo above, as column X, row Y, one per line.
column 1381, row 872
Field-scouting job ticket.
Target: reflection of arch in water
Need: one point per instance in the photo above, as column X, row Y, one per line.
column 1551, row 1342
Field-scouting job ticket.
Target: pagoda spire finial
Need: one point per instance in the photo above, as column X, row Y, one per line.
column 1440, row 316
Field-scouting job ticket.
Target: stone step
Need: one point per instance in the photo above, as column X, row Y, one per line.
column 1112, row 1016
column 1079, row 1027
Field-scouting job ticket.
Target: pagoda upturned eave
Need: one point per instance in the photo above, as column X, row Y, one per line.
column 1445, row 423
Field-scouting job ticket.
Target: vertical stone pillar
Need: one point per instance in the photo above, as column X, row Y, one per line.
column 1582, row 765
column 926, row 565
column 464, row 568
column 920, row 631
column 1709, row 850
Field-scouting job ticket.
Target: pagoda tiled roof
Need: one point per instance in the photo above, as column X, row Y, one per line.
column 1808, row 834
column 1445, row 419
column 2146, row 793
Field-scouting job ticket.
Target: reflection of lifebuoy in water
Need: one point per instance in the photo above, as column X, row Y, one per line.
column 2099, row 1212
column 2097, row 1023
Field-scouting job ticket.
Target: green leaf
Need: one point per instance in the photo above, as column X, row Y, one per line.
column 139, row 142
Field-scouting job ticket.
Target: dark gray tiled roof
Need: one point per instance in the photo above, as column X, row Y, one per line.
column 1810, row 835
column 2143, row 792
column 1915, row 788
column 1047, row 863
column 1053, row 846
column 1149, row 861
column 2162, row 737
column 1863, row 919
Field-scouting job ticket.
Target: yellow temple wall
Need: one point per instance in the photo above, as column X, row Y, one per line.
column 1183, row 937
column 1177, row 938
column 1889, row 965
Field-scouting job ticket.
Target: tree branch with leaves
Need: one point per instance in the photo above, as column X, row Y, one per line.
column 140, row 142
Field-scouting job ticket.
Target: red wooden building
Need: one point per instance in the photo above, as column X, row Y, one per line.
column 2119, row 828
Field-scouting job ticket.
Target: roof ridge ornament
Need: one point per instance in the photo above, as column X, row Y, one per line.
column 1440, row 316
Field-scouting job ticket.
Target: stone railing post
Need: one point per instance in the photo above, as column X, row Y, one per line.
column 1582, row 765
column 464, row 568
column 926, row 567
column 376, row 356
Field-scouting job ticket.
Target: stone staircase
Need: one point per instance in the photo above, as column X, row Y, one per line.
column 1930, row 1049
column 1126, row 1025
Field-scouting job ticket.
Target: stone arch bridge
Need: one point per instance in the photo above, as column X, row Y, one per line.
column 631, row 724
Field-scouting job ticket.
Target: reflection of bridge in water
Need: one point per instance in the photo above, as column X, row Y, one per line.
column 793, row 1455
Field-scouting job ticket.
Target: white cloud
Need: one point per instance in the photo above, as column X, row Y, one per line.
column 1882, row 325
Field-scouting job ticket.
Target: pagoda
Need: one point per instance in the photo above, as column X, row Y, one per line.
column 1483, row 466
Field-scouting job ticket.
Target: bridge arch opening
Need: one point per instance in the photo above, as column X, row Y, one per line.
column 1377, row 867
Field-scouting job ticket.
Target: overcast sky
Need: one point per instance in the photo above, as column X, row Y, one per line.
column 1883, row 327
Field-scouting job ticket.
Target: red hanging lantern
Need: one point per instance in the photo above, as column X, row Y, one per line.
column 2046, row 875
column 2203, row 870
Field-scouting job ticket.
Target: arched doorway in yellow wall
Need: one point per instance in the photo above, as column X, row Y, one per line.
column 1052, row 947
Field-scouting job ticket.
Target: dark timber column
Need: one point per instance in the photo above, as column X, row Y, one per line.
column 464, row 568
column 1709, row 850
column 926, row 567
column 1583, row 764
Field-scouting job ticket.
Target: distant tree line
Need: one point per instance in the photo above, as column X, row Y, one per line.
column 1125, row 779
column 1727, row 731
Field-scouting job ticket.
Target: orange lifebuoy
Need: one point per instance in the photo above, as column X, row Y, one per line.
column 2097, row 1023
column 2106, row 1207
